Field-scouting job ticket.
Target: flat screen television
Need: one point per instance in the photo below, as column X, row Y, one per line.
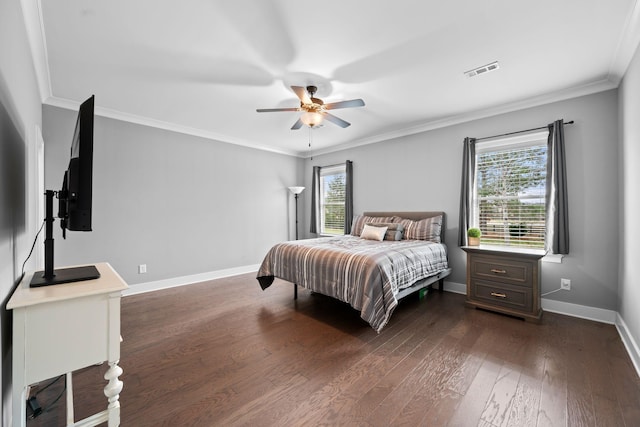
column 74, row 202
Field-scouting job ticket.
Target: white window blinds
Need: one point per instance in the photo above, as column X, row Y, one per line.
column 332, row 188
column 510, row 191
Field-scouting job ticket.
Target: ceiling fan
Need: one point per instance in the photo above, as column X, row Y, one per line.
column 315, row 110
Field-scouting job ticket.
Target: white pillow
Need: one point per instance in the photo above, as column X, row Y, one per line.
column 373, row 233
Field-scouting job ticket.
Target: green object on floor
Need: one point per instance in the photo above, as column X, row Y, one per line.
column 423, row 292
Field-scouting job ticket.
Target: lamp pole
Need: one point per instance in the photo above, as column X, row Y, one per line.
column 296, row 216
column 296, row 191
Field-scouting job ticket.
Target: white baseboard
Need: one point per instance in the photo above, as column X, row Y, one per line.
column 559, row 307
column 581, row 311
column 456, row 288
column 568, row 309
column 188, row 280
column 629, row 343
column 584, row 312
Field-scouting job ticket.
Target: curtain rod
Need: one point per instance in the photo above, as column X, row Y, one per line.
column 337, row 164
column 519, row 131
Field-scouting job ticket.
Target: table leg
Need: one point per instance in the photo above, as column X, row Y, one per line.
column 112, row 391
column 70, row 415
column 19, row 381
column 19, row 404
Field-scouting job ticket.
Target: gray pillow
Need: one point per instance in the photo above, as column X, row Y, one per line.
column 395, row 230
column 424, row 229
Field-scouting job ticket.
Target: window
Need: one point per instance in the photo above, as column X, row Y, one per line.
column 332, row 199
column 509, row 198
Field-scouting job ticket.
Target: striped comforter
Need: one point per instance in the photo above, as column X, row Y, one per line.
column 366, row 274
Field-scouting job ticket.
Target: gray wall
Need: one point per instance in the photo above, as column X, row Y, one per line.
column 180, row 204
column 422, row 172
column 20, row 113
column 629, row 292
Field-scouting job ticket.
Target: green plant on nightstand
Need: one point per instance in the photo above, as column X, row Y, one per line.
column 473, row 235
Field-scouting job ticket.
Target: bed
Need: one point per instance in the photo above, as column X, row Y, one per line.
column 370, row 275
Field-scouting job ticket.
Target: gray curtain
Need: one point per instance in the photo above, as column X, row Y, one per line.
column 467, row 188
column 557, row 240
column 348, row 198
column 315, row 200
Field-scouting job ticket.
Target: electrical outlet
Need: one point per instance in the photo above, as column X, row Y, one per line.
column 142, row 268
column 565, row 284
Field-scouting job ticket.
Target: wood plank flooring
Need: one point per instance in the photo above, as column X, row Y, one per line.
column 227, row 353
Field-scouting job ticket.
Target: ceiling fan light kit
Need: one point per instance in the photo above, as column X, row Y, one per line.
column 311, row 119
column 314, row 109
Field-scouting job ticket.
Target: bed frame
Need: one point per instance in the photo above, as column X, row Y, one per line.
column 420, row 284
column 428, row 281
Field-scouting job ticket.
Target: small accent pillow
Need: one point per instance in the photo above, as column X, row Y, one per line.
column 360, row 220
column 370, row 232
column 424, row 229
column 394, row 229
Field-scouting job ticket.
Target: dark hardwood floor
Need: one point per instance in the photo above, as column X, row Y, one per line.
column 227, row 353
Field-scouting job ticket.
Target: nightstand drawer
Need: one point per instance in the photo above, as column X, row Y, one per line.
column 515, row 297
column 504, row 270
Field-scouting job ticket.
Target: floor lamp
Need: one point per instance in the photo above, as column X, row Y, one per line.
column 296, row 191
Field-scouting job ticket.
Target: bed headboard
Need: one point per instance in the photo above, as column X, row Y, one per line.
column 415, row 216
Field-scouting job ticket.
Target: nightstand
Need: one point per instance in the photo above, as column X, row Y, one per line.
column 505, row 280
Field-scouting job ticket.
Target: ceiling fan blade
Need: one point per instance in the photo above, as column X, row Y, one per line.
column 336, row 120
column 344, row 104
column 271, row 110
column 301, row 92
column 297, row 125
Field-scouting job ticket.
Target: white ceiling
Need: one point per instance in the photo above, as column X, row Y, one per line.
column 204, row 66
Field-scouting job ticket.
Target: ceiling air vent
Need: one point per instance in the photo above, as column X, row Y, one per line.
column 482, row 70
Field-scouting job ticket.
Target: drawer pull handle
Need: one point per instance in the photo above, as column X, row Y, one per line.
column 494, row 270
column 498, row 295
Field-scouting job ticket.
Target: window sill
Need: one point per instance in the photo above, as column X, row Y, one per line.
column 550, row 258
column 553, row 258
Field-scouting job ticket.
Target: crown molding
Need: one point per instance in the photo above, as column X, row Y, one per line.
column 627, row 45
column 575, row 92
column 159, row 124
column 34, row 25
column 561, row 95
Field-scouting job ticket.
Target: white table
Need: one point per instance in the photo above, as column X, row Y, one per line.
column 62, row 328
